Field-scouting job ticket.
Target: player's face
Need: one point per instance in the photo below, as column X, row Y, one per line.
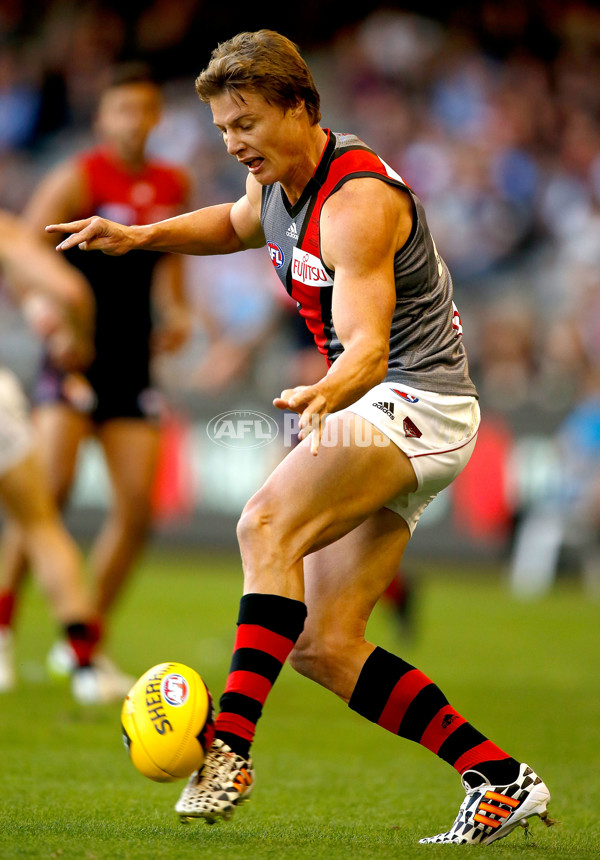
column 126, row 116
column 264, row 137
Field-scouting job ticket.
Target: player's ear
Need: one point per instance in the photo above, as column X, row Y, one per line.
column 297, row 109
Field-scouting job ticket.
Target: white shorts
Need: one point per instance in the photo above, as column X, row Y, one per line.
column 16, row 431
column 437, row 432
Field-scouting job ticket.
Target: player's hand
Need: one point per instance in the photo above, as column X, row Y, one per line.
column 94, row 234
column 310, row 404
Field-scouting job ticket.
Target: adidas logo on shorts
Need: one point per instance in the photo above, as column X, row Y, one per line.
column 386, row 407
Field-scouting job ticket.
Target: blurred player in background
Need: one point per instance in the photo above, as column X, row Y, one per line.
column 59, row 306
column 114, row 398
column 392, row 422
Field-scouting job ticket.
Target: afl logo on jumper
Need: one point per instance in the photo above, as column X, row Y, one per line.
column 175, row 689
column 276, row 254
column 309, row 270
column 410, row 398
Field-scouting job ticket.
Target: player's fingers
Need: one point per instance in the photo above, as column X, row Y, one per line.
column 68, row 227
column 311, row 420
column 313, row 427
column 315, row 440
column 284, row 401
column 75, row 228
column 84, row 236
column 83, row 240
column 300, row 396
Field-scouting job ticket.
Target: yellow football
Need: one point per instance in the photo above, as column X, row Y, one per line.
column 168, row 722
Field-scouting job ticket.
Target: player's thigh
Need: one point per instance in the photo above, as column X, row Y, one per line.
column 59, row 430
column 131, row 447
column 314, row 500
column 25, row 494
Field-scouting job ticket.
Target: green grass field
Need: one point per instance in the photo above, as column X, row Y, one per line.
column 329, row 784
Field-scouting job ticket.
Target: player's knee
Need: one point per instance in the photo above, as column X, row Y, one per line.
column 134, row 514
column 259, row 524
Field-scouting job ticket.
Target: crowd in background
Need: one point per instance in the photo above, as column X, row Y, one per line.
column 492, row 116
column 490, row 112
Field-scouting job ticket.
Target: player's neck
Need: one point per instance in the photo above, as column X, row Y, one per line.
column 130, row 160
column 304, row 167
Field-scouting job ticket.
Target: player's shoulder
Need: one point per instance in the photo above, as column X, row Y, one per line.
column 358, row 193
column 169, row 170
column 93, row 156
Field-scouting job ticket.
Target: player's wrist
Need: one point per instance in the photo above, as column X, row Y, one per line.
column 140, row 237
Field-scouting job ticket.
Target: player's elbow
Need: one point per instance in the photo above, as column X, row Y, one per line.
column 376, row 362
column 371, row 354
column 381, row 364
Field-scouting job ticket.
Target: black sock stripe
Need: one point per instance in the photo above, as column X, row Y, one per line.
column 460, row 741
column 79, row 630
column 281, row 615
column 253, row 660
column 501, row 772
column 421, row 711
column 377, row 679
column 238, row 745
column 244, row 706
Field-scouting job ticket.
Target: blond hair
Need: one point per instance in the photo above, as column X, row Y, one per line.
column 266, row 63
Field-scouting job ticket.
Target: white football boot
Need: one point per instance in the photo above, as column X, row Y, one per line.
column 224, row 781
column 61, row 660
column 97, row 685
column 491, row 812
column 102, row 682
column 8, row 677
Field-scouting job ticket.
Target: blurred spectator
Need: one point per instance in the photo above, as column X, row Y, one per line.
column 490, row 111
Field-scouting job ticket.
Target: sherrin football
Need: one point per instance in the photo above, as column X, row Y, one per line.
column 168, row 722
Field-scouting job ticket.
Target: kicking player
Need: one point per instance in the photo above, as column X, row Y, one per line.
column 58, row 304
column 114, row 398
column 391, row 423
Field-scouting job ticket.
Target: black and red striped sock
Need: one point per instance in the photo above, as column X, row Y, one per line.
column 83, row 638
column 400, row 698
column 7, row 608
column 268, row 627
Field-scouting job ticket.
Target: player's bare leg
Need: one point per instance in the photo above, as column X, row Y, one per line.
column 351, row 548
column 58, row 566
column 58, row 433
column 53, row 554
column 131, row 450
column 348, row 481
column 343, row 581
column 274, row 536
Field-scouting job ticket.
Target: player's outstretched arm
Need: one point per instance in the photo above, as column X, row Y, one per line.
column 220, row 229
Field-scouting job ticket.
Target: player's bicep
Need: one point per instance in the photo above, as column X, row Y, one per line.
column 363, row 306
column 361, row 252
